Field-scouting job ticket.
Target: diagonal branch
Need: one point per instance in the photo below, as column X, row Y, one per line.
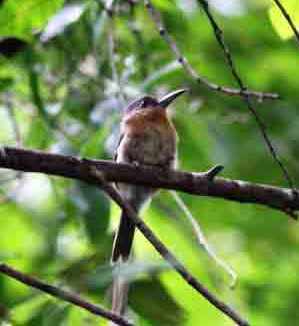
column 244, row 93
column 156, row 17
column 288, row 18
column 194, row 183
column 92, row 174
column 62, row 294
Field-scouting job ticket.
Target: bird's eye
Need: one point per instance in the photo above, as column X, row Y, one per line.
column 143, row 103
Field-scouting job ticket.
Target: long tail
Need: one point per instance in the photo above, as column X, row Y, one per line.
column 123, row 244
column 120, row 254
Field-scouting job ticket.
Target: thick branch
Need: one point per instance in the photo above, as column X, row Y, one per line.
column 87, row 171
column 200, row 184
column 62, row 294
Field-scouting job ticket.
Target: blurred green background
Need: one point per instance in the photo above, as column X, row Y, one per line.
column 60, row 93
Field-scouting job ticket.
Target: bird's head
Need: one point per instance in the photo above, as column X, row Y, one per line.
column 148, row 102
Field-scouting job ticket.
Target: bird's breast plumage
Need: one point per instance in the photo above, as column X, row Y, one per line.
column 150, row 137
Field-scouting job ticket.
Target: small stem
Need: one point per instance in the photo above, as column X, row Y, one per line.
column 213, row 172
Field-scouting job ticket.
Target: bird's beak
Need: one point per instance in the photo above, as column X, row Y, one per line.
column 170, row 97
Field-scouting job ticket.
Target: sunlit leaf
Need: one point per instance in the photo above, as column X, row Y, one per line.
column 17, row 222
column 38, row 135
column 28, row 307
column 49, row 313
column 23, row 18
column 279, row 22
column 163, row 4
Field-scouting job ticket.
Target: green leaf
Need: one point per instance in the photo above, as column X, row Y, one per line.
column 39, row 135
column 279, row 22
column 19, row 237
column 26, row 309
column 50, row 313
column 8, row 73
column 5, row 83
column 94, row 147
column 95, row 214
column 163, row 4
column 21, row 18
column 150, row 299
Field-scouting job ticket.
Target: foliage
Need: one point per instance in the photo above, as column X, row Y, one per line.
column 61, row 93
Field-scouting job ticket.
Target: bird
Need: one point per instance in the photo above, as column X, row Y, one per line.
column 148, row 138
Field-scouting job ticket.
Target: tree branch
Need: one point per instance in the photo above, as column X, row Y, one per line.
column 182, row 60
column 92, row 174
column 261, row 125
column 282, row 199
column 62, row 294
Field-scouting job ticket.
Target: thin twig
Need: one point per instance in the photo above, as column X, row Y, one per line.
column 244, row 93
column 99, row 179
column 214, row 171
column 194, row 183
column 156, row 17
column 288, row 18
column 62, row 294
column 202, row 241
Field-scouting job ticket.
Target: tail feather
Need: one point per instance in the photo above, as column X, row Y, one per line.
column 120, row 254
column 123, row 239
column 120, row 290
column 123, row 244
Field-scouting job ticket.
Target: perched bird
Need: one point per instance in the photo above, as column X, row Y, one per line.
column 149, row 138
